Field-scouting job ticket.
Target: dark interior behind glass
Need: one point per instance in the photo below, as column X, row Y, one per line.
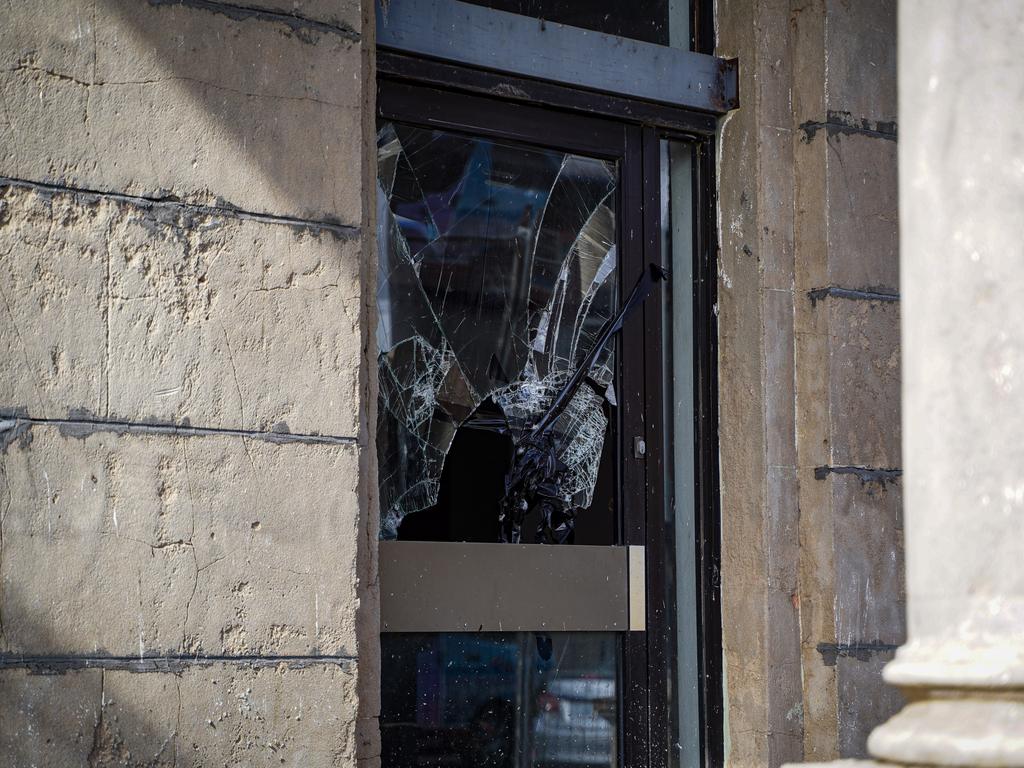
column 645, row 20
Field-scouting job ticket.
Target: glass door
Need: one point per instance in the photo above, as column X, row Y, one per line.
column 519, row 338
column 499, row 276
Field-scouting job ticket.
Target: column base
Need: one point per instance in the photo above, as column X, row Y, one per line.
column 962, row 728
column 962, row 661
column 965, row 707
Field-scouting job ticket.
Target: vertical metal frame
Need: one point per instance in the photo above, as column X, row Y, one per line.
column 636, row 680
column 705, row 376
column 708, row 539
column 660, row 646
column 653, row 395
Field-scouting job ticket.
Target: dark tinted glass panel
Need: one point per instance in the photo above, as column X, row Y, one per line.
column 507, row 700
column 645, row 20
column 497, row 272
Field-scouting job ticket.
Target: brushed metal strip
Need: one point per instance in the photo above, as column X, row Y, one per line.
column 460, row 587
column 637, row 589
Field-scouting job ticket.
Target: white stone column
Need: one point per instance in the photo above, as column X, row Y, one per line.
column 961, row 164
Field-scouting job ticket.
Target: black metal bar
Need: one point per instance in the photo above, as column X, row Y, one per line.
column 492, row 117
column 403, row 67
column 630, row 354
column 641, row 290
column 659, row 631
column 508, row 42
column 708, row 541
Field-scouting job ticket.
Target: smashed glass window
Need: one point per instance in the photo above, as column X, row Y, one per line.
column 497, row 287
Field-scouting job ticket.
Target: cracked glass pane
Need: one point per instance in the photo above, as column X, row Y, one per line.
column 497, row 273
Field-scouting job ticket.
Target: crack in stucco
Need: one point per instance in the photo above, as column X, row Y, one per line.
column 106, row 321
column 300, row 25
column 28, row 66
column 195, row 558
column 177, row 721
column 21, row 341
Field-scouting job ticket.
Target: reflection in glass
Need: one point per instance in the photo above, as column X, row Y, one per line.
column 499, row 700
column 496, row 273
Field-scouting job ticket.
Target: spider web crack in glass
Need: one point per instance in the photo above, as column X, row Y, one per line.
column 496, row 273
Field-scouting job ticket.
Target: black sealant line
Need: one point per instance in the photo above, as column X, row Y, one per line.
column 236, row 12
column 865, row 474
column 854, row 294
column 831, row 652
column 56, row 665
column 343, row 231
column 838, row 123
column 83, row 427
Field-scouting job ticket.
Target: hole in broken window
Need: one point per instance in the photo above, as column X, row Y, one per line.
column 496, row 275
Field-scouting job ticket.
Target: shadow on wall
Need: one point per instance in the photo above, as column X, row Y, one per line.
column 63, row 713
column 72, row 711
column 190, row 100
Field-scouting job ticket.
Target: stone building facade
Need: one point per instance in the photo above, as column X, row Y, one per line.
column 186, row 506
column 189, row 526
column 812, row 571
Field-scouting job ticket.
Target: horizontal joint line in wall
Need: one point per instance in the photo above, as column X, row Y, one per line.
column 83, row 427
column 854, row 294
column 345, row 231
column 59, row 664
column 242, row 12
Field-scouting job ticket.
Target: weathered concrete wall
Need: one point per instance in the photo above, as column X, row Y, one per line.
column 809, row 345
column 187, row 539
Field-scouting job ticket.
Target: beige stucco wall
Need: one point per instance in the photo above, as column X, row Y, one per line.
column 812, row 587
column 187, row 534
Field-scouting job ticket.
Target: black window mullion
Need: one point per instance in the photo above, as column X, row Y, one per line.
column 636, row 673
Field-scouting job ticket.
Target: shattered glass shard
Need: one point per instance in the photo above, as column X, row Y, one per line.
column 497, row 271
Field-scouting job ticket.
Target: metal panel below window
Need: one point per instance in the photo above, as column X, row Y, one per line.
column 460, row 587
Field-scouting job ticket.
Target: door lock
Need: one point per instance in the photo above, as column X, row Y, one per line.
column 639, row 448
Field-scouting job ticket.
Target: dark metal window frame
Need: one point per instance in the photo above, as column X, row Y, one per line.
column 458, row 97
column 533, row 48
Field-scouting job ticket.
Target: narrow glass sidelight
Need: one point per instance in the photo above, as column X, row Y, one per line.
column 497, row 274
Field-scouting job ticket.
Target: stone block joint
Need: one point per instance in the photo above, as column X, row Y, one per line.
column 13, row 425
column 344, row 231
